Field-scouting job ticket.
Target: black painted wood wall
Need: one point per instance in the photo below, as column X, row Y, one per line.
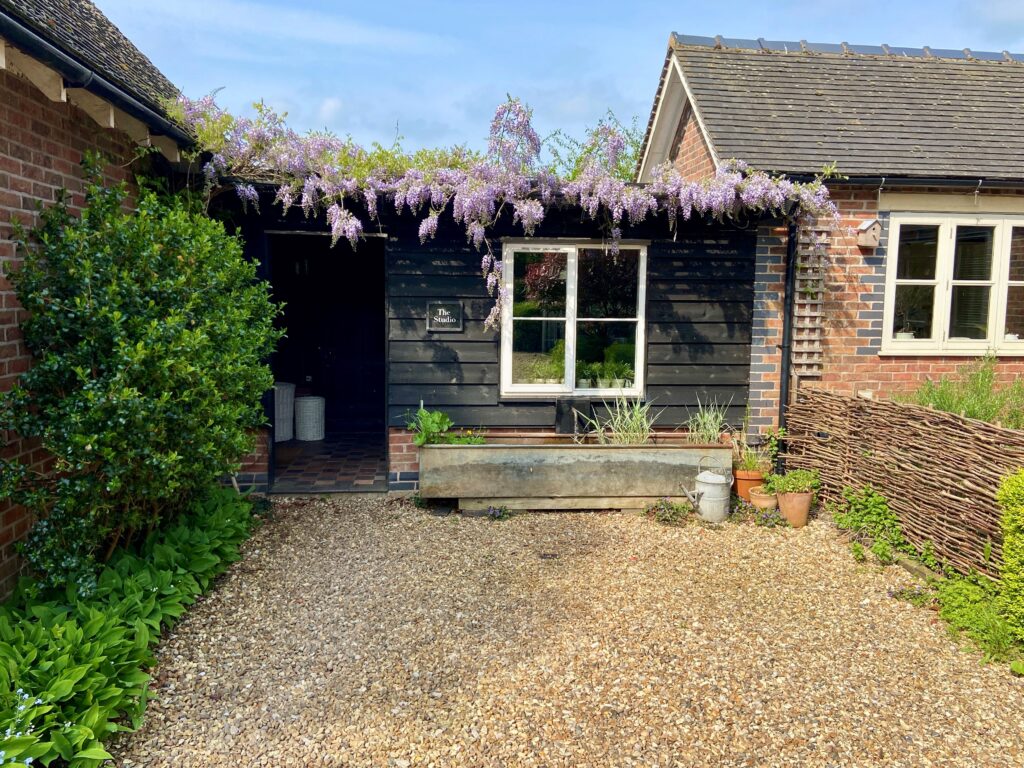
column 699, row 308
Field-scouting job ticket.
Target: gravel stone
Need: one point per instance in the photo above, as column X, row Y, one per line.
column 361, row 631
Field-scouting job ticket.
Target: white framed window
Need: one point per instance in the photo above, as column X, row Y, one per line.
column 574, row 320
column 954, row 285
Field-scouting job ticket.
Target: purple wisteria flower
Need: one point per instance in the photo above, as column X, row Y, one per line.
column 322, row 172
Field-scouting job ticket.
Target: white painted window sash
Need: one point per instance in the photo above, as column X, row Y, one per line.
column 941, row 343
column 512, row 390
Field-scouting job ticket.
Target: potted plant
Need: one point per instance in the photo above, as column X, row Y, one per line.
column 619, row 373
column 751, row 463
column 748, row 468
column 763, row 499
column 795, row 490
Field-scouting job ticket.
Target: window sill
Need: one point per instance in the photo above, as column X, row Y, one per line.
column 580, row 394
column 896, row 350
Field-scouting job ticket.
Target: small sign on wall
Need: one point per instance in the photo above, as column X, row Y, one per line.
column 444, row 316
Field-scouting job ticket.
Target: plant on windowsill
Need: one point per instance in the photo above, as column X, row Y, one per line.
column 796, row 490
column 587, row 374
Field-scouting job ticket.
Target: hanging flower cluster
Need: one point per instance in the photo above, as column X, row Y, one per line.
column 319, row 171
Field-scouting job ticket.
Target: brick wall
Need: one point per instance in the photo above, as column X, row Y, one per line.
column 254, row 474
column 766, row 333
column 846, row 346
column 853, row 304
column 41, row 146
column 689, row 152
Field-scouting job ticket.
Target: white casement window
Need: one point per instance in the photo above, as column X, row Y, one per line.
column 954, row 285
column 574, row 320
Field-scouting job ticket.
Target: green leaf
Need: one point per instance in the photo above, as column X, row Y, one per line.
column 95, row 752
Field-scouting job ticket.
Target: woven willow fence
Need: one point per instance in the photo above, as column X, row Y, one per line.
column 939, row 472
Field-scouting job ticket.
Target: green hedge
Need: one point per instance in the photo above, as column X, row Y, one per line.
column 1011, row 597
column 72, row 670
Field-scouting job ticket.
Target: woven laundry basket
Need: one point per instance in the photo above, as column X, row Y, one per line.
column 309, row 418
column 284, row 411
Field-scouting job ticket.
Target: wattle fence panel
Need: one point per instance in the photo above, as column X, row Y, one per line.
column 938, row 471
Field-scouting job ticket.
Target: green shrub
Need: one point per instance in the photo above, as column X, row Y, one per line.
column 1011, row 600
column 794, row 481
column 668, row 512
column 974, row 391
column 149, row 334
column 971, row 606
column 72, row 667
column 867, row 515
column 434, row 427
column 857, row 550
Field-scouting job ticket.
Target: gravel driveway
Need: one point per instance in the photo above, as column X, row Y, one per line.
column 360, row 632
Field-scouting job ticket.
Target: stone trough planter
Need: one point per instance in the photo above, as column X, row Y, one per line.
column 563, row 475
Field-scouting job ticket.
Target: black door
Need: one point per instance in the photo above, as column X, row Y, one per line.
column 335, row 322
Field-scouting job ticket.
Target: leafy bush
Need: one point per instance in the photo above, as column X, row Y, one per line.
column 974, row 391
column 434, row 427
column 72, row 666
column 868, row 516
column 971, row 606
column 149, row 333
column 1011, row 600
column 668, row 512
column 794, row 481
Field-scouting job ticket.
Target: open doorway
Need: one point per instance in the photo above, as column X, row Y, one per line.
column 334, row 354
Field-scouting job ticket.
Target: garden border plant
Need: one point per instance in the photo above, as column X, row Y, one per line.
column 149, row 334
column 73, row 663
column 987, row 612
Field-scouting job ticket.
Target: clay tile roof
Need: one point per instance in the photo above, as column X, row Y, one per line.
column 872, row 110
column 80, row 30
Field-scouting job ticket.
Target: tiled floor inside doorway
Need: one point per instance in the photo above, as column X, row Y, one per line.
column 341, row 463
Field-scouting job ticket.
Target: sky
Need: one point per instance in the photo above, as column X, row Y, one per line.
column 433, row 72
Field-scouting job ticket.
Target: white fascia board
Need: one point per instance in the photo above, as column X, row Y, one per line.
column 696, row 113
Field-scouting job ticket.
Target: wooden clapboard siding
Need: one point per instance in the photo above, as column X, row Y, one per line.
column 699, row 309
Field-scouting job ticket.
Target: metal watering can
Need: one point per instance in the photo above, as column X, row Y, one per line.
column 710, row 497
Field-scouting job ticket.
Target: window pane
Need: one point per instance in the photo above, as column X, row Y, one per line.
column 968, row 315
column 538, row 284
column 1017, row 254
column 1015, row 313
column 605, row 354
column 607, row 283
column 919, row 244
column 538, row 351
column 914, row 307
column 973, row 257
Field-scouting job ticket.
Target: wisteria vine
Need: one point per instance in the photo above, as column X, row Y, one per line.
column 319, row 171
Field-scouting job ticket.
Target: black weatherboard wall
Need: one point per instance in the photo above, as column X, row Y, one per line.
column 699, row 308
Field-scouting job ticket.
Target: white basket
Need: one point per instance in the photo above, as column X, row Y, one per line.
column 284, row 411
column 309, row 418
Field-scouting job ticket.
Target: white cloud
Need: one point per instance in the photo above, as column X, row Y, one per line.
column 329, row 109
column 244, row 23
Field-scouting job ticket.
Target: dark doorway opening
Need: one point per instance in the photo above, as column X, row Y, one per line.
column 335, row 348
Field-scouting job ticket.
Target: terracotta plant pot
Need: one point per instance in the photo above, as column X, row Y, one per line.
column 762, row 499
column 745, row 480
column 795, row 507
